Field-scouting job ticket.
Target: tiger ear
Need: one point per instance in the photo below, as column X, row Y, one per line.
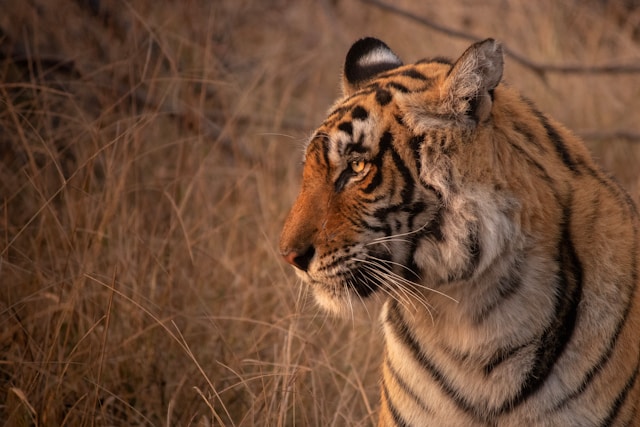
column 367, row 58
column 470, row 83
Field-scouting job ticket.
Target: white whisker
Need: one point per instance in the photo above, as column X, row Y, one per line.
column 394, row 237
column 400, row 293
column 384, row 265
column 350, row 283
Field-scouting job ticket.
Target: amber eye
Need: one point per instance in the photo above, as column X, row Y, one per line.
column 358, row 166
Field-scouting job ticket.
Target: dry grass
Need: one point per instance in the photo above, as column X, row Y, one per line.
column 148, row 154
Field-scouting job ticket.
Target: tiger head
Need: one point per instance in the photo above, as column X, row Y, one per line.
column 388, row 201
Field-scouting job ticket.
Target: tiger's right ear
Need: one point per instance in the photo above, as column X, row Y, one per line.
column 470, row 83
column 367, row 58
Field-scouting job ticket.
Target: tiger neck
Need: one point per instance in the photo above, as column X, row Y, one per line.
column 483, row 313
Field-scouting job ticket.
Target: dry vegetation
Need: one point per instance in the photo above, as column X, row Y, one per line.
column 148, row 154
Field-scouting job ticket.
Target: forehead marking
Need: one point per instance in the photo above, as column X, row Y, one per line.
column 359, row 113
column 383, row 97
column 346, row 127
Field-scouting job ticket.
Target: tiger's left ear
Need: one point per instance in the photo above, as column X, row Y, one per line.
column 469, row 86
column 367, row 58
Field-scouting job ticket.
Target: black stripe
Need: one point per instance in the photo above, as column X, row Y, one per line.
column 383, row 97
column 528, row 134
column 508, row 285
column 592, row 218
column 318, row 151
column 399, row 87
column 347, row 102
column 409, row 72
column 415, row 143
column 558, row 143
column 409, row 185
column 604, row 358
column 406, row 389
column 402, row 331
column 437, row 59
column 552, row 184
column 555, row 338
column 342, row 180
column 614, row 188
column 339, row 113
column 325, row 154
column 366, row 201
column 395, row 414
column 434, row 229
column 435, row 191
column 501, row 356
column 406, row 189
column 632, row 418
column 543, row 172
column 414, row 210
column 475, row 252
column 621, row 398
column 375, row 181
column 354, row 147
column 346, row 127
column 414, row 74
column 384, row 229
column 358, row 223
column 412, row 271
column 602, row 361
column 633, row 414
column 383, row 145
column 359, row 113
column 383, row 212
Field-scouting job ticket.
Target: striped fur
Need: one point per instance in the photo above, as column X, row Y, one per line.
column 509, row 260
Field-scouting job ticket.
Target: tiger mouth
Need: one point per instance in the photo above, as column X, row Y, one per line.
column 363, row 276
column 352, row 281
column 361, row 283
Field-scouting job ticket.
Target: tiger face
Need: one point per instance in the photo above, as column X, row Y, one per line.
column 381, row 171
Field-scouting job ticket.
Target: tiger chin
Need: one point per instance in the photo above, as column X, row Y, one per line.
column 508, row 259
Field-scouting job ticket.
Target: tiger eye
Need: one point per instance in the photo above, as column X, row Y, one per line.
column 357, row 166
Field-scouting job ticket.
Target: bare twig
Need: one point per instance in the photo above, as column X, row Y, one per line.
column 609, row 135
column 538, row 68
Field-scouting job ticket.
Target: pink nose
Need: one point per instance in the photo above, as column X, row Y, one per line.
column 291, row 257
column 299, row 260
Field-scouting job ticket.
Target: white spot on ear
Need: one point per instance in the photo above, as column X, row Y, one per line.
column 379, row 56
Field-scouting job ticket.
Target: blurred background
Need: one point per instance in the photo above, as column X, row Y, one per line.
column 149, row 152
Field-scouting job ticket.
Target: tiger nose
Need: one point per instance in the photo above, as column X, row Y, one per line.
column 300, row 260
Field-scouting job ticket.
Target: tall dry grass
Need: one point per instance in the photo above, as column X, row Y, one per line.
column 148, row 154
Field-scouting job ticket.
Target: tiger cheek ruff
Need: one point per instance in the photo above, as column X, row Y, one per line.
column 507, row 258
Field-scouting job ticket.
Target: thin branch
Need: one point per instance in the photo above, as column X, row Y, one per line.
column 538, row 68
column 609, row 135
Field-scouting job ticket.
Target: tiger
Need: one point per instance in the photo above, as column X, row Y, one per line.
column 505, row 258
